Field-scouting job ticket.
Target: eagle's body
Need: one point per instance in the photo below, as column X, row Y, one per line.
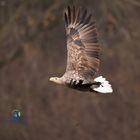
column 83, row 52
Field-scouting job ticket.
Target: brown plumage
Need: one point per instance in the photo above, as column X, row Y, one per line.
column 83, row 51
column 82, row 44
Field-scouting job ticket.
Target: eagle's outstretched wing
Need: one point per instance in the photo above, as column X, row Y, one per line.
column 82, row 43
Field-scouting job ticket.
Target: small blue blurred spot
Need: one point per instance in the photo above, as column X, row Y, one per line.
column 16, row 116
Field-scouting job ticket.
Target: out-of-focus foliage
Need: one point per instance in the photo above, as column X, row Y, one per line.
column 33, row 48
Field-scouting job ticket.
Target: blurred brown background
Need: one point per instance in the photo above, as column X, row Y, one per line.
column 33, row 48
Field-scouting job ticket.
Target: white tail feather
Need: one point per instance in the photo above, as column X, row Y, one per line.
column 105, row 87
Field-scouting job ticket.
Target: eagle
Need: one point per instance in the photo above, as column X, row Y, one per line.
column 83, row 53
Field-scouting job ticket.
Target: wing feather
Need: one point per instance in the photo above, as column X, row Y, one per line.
column 83, row 48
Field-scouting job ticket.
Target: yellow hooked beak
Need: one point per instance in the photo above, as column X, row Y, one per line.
column 56, row 80
column 51, row 79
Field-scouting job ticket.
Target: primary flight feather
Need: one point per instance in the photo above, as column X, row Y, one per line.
column 83, row 52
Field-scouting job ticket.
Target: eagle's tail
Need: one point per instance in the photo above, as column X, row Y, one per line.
column 104, row 86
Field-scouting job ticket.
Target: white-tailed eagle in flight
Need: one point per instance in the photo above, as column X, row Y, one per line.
column 83, row 51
